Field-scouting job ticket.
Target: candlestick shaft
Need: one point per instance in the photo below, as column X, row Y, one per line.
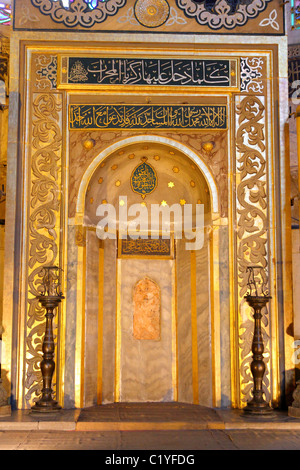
column 46, row 403
column 257, row 405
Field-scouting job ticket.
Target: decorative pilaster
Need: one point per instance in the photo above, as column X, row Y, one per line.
column 43, row 226
column 251, row 229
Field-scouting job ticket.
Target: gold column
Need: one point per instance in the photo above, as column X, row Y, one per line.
column 118, row 333
column 215, row 311
column 194, row 328
column 100, row 321
column 174, row 332
column 298, row 144
column 80, row 323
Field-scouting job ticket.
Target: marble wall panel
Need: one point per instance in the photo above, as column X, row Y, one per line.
column 91, row 318
column 146, row 365
column 224, row 285
column 109, row 320
column 70, row 302
column 204, row 325
column 185, row 370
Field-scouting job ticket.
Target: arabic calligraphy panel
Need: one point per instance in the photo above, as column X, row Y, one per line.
column 143, row 179
column 147, row 247
column 96, row 117
column 101, row 71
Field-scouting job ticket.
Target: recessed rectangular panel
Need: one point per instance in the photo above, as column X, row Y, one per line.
column 145, row 248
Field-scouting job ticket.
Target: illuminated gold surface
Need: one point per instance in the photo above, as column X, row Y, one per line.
column 88, row 144
column 151, row 13
column 274, row 307
column 43, row 236
column 287, row 275
column 215, row 324
column 234, row 388
column 208, row 146
column 64, row 263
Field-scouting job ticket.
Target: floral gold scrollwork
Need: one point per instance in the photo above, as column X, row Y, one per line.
column 78, row 13
column 222, row 13
column 252, row 233
column 43, row 225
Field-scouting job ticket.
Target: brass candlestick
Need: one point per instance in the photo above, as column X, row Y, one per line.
column 257, row 405
column 50, row 299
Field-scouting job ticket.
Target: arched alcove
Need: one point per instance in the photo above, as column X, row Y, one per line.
column 119, row 366
column 144, row 140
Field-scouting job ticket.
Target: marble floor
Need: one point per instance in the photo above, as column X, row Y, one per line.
column 149, row 426
column 139, row 442
column 145, row 417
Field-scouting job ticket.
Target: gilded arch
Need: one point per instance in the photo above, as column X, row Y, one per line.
column 146, row 139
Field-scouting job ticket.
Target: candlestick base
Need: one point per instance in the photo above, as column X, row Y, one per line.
column 46, row 406
column 258, row 409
